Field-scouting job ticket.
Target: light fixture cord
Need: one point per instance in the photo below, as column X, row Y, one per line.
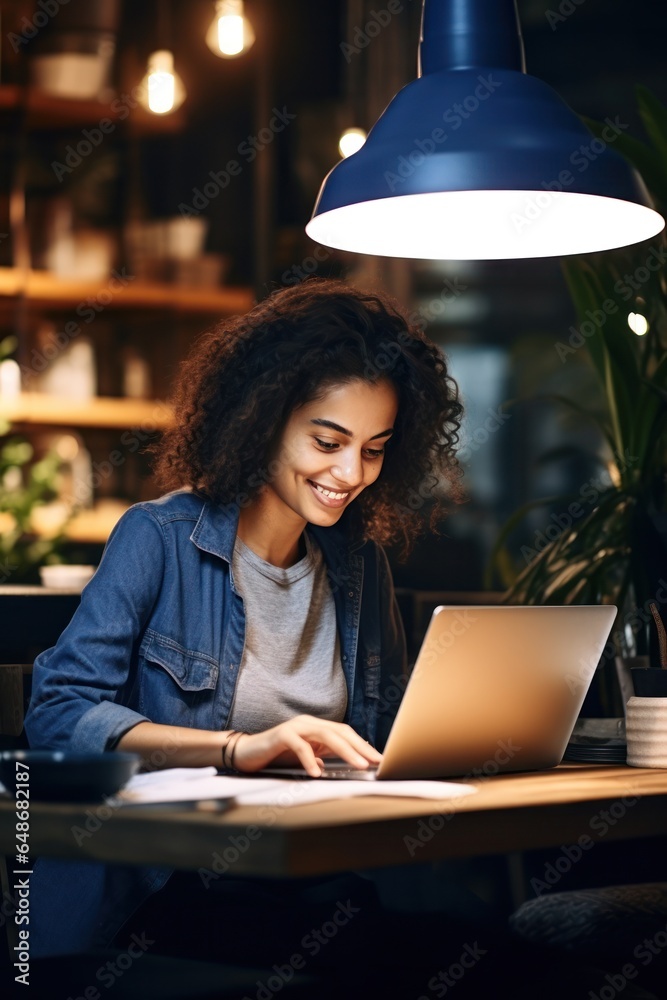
column 163, row 25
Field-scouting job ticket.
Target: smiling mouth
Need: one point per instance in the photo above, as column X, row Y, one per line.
column 329, row 494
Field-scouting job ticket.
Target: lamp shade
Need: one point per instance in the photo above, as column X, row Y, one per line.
column 477, row 160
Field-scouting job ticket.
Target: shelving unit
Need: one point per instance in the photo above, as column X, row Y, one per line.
column 32, row 411
column 157, row 319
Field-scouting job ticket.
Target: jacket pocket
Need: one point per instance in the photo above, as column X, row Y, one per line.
column 190, row 670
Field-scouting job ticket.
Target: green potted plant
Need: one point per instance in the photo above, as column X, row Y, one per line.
column 24, row 486
column 612, row 547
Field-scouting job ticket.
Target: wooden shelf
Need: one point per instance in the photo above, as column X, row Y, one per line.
column 41, row 288
column 94, row 526
column 44, row 111
column 41, row 408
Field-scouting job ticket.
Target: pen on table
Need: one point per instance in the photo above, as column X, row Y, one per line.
column 182, row 805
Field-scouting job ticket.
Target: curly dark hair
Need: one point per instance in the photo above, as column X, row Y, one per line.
column 245, row 377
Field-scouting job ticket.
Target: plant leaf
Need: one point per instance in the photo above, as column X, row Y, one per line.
column 640, row 155
column 654, row 116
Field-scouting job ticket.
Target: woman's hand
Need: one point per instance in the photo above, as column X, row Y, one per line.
column 303, row 740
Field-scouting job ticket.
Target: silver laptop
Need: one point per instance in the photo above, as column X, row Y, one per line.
column 494, row 689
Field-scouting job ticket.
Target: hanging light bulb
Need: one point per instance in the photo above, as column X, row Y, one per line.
column 231, row 32
column 162, row 89
column 351, row 141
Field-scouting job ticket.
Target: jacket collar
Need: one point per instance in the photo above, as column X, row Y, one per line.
column 215, row 532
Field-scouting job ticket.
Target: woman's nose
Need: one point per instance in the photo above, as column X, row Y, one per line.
column 348, row 470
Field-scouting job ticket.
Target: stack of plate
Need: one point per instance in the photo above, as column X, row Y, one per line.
column 598, row 741
column 602, row 754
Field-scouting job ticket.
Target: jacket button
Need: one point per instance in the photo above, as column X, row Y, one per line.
column 344, row 656
column 350, row 593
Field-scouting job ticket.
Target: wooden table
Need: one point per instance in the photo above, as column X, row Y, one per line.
column 509, row 813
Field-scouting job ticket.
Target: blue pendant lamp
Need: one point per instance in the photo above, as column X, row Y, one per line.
column 476, row 160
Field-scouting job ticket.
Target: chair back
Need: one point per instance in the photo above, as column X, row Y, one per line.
column 14, row 693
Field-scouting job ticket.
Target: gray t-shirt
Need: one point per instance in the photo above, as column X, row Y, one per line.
column 291, row 658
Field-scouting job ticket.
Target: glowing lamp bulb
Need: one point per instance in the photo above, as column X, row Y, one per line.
column 230, row 33
column 162, row 90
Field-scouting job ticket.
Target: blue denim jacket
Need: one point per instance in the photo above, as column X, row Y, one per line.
column 158, row 637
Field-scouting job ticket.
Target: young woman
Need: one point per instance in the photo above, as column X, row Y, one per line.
column 247, row 617
column 254, row 600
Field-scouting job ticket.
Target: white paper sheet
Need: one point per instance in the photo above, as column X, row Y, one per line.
column 202, row 783
column 298, row 793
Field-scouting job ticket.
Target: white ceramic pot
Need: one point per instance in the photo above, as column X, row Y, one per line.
column 646, row 732
column 66, row 577
column 73, row 75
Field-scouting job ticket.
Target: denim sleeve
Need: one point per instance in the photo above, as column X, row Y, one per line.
column 394, row 661
column 79, row 685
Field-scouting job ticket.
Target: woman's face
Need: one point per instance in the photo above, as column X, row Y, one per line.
column 332, row 449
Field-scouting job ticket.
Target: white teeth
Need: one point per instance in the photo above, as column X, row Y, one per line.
column 330, row 493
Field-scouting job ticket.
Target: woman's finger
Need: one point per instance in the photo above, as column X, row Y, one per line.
column 331, row 734
column 305, row 755
column 339, row 739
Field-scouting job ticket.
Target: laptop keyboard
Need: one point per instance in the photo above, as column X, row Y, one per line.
column 336, row 770
column 350, row 773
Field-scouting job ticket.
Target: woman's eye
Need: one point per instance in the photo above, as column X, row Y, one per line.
column 372, row 453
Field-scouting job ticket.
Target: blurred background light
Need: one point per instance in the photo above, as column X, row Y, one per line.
column 162, row 90
column 351, row 141
column 638, row 324
column 231, row 33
